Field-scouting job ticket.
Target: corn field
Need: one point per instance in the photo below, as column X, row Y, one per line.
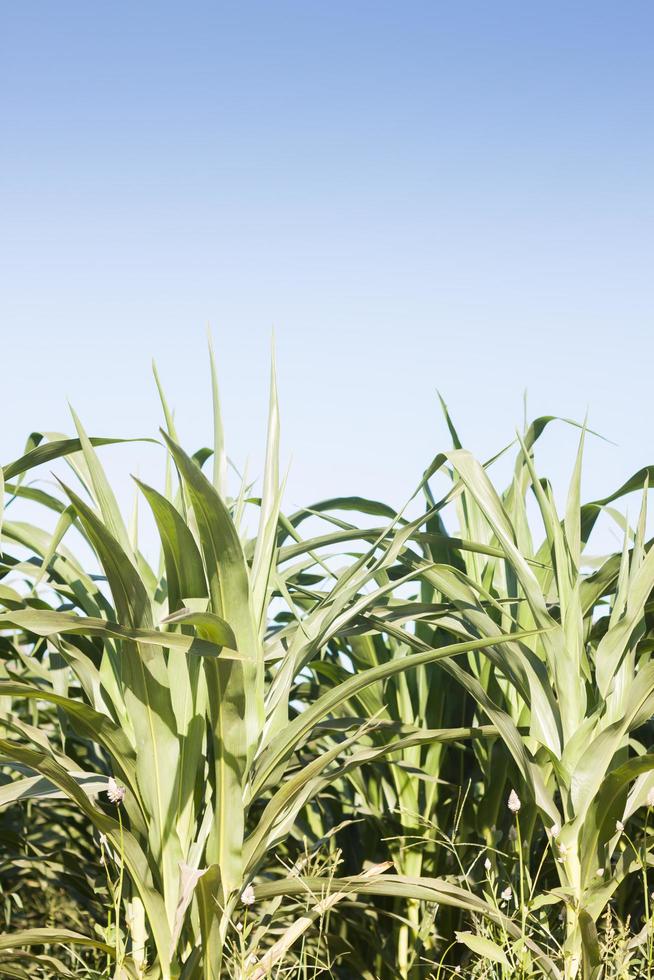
column 342, row 742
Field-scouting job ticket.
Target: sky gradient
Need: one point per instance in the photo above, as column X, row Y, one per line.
column 415, row 196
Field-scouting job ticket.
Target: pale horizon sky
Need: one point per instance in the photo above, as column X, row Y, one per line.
column 416, row 196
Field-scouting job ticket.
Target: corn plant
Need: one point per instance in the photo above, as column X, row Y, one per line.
column 184, row 683
column 569, row 705
column 571, row 702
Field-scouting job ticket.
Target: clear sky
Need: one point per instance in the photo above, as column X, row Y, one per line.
column 415, row 195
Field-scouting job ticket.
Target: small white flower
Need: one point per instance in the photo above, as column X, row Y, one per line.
column 513, row 802
column 513, row 834
column 619, row 826
column 239, row 927
column 554, row 831
column 251, row 960
column 650, row 797
column 600, row 872
column 248, row 896
column 487, row 864
column 115, row 793
column 564, row 851
column 506, row 895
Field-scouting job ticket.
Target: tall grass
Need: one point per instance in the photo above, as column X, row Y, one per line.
column 271, row 754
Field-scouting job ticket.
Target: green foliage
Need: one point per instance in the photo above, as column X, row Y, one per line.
column 273, row 754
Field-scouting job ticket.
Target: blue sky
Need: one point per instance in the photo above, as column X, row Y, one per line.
column 415, row 195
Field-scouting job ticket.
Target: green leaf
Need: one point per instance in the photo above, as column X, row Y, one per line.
column 48, row 451
column 184, row 572
column 50, row 936
column 486, row 948
column 235, row 690
column 49, row 623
